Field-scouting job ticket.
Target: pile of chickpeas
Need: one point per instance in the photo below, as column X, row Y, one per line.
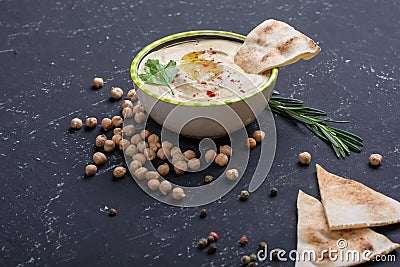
column 145, row 146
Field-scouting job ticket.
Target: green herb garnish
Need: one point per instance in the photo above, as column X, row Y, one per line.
column 158, row 74
column 341, row 141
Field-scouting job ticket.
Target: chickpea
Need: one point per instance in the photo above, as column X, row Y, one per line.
column 100, row 140
column 258, row 136
column 116, row 93
column 106, row 124
column 91, row 122
column 145, row 134
column 251, row 143
column 119, row 172
column 165, row 187
column 98, row 82
column 140, row 173
column 162, row 153
column 123, row 144
column 140, row 117
column 175, row 150
column 129, row 130
column 167, row 144
column 163, row 169
column 99, row 158
column 127, row 113
column 136, row 139
column 304, row 158
column 194, row 164
column 132, row 95
column 76, row 123
column 90, row 170
column 149, row 153
column 232, row 174
column 134, row 165
column 210, row 155
column 375, row 159
column 117, row 121
column 138, row 108
column 116, row 138
column 153, row 184
column 189, row 154
column 152, row 175
column 154, row 146
column 131, row 150
column 180, row 167
column 227, row 150
column 126, row 104
column 221, row 159
column 178, row 193
column 177, row 157
column 153, row 138
column 117, row 130
column 140, row 157
column 109, row 145
column 142, row 145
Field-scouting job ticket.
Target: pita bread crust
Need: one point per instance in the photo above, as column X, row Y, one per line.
column 274, row 44
column 350, row 204
column 313, row 234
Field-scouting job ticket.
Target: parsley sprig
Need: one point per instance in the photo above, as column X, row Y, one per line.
column 158, row 74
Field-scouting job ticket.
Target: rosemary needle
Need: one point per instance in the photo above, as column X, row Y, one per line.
column 342, row 141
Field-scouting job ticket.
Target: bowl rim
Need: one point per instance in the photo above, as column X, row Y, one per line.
column 142, row 53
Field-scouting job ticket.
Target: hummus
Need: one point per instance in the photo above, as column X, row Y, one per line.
column 207, row 72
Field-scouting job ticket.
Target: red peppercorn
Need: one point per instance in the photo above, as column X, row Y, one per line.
column 215, row 235
column 243, row 240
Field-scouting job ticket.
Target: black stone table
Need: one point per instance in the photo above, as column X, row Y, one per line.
column 49, row 52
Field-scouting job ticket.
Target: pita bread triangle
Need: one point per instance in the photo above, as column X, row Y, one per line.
column 350, row 204
column 274, row 44
column 313, row 234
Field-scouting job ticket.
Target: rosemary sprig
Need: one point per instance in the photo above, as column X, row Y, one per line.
column 342, row 141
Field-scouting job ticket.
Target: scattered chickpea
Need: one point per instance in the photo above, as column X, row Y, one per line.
column 145, row 134
column 227, row 150
column 150, row 154
column 126, row 104
column 100, row 140
column 232, row 174
column 123, row 144
column 98, row 82
column 251, row 143
column 117, row 121
column 136, row 139
column 116, row 93
column 91, row 122
column 167, row 144
column 117, row 130
column 142, row 145
column 180, row 167
column 99, row 158
column 152, row 175
column 165, row 187
column 177, row 157
column 178, row 193
column 131, row 150
column 175, row 150
column 134, row 165
column 210, row 155
column 259, row 136
column 221, row 159
column 154, row 146
column 153, row 184
column 109, row 145
column 140, row 157
column 106, row 124
column 140, row 173
column 163, row 169
column 138, row 108
column 129, row 130
column 76, row 123
column 90, row 169
column 140, row 117
column 132, row 95
column 116, row 138
column 119, row 172
column 245, row 260
column 189, row 154
column 305, row 158
column 127, row 113
column 375, row 159
column 194, row 164
column 161, row 154
column 153, row 138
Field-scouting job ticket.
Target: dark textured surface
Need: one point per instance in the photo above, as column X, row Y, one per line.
column 51, row 216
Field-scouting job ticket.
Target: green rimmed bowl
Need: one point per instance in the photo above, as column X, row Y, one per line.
column 201, row 119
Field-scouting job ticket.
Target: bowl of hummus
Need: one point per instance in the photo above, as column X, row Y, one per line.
column 209, row 96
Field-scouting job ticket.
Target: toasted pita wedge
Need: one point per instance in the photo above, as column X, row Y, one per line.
column 313, row 235
column 350, row 204
column 274, row 44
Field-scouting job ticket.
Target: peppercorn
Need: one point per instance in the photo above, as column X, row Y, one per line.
column 202, row 243
column 276, row 254
column 210, row 239
column 253, row 257
column 243, row 240
column 252, row 264
column 245, row 260
column 212, row 248
column 244, row 195
column 375, row 159
column 214, row 234
column 273, row 192
column 203, row 213
column 112, row 212
column 262, row 246
column 208, row 179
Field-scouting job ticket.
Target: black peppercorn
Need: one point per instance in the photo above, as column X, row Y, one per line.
column 253, row 257
column 273, row 192
column 210, row 239
column 208, row 179
column 262, row 246
column 202, row 243
column 276, row 254
column 212, row 248
column 112, row 212
column 203, row 213
column 244, row 195
column 252, row 264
